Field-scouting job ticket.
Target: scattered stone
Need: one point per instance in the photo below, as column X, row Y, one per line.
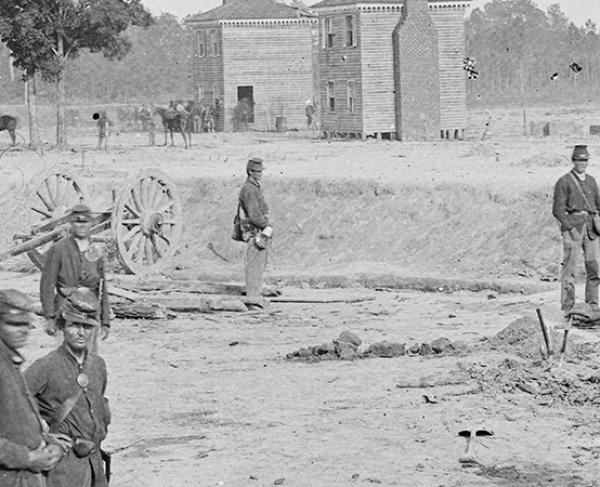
column 355, row 476
column 530, row 387
column 492, row 296
column 234, row 343
column 442, row 345
column 414, row 349
column 349, row 337
column 279, row 481
column 386, row 349
column 451, row 315
column 345, row 351
column 253, row 477
column 304, row 352
column 425, row 349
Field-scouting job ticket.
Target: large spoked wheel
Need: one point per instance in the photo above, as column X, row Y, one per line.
column 146, row 223
column 57, row 192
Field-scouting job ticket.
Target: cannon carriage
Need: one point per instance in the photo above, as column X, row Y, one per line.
column 144, row 222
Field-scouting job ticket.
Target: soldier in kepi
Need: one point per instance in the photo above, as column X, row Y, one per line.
column 69, row 385
column 74, row 263
column 576, row 206
column 254, row 229
column 26, row 451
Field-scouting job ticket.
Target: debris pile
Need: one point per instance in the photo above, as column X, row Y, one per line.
column 346, row 347
column 548, row 385
column 523, row 338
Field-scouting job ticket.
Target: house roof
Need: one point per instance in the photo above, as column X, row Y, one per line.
column 250, row 10
column 336, row 3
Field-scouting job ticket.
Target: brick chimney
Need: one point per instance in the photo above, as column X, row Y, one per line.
column 416, row 73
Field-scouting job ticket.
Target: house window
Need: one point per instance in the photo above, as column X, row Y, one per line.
column 201, row 43
column 330, row 96
column 351, row 95
column 350, row 30
column 214, row 46
column 327, row 37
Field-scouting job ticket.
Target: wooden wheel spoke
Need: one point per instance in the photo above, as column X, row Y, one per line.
column 46, row 203
column 133, row 245
column 155, row 245
column 148, row 249
column 132, row 233
column 169, row 204
column 42, row 212
column 136, row 199
column 132, row 210
column 60, row 190
column 141, row 247
column 155, row 193
column 49, row 190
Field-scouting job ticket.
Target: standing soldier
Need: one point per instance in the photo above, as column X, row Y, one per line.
column 255, row 230
column 24, row 452
column 69, row 384
column 576, row 202
column 103, row 123
column 74, row 263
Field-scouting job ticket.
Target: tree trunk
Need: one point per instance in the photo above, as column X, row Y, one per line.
column 34, row 128
column 61, row 136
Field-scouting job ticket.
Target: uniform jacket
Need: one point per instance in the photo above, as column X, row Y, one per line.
column 20, row 427
column 64, row 269
column 568, row 200
column 52, row 380
column 255, row 214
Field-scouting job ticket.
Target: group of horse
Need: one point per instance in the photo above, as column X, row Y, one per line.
column 193, row 118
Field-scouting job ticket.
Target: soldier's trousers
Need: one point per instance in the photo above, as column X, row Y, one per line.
column 256, row 261
column 575, row 241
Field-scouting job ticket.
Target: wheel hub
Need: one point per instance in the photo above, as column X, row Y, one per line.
column 151, row 223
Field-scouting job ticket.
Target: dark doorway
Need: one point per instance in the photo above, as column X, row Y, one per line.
column 245, row 94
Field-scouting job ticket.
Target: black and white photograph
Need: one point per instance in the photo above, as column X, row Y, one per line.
column 300, row 243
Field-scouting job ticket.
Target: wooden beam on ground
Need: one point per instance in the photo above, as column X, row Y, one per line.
column 143, row 311
column 180, row 285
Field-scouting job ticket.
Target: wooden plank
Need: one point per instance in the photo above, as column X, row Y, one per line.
column 199, row 287
column 146, row 311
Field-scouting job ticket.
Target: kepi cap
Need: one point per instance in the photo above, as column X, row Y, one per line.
column 580, row 153
column 14, row 305
column 80, row 306
column 80, row 212
column 254, row 163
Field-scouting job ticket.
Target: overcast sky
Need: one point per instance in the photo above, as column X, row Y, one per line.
column 576, row 10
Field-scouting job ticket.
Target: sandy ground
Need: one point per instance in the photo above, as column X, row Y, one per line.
column 191, row 407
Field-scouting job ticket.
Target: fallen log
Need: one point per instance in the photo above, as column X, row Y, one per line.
column 199, row 305
column 179, row 285
column 320, row 301
column 123, row 293
column 143, row 311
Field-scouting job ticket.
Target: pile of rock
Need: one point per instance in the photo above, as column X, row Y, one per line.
column 346, row 347
column 549, row 386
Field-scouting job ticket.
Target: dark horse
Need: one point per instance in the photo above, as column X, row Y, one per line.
column 9, row 123
column 174, row 121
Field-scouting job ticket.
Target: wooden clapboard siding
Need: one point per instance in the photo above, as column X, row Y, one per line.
column 276, row 59
column 378, row 70
column 208, row 76
column 341, row 64
column 450, row 24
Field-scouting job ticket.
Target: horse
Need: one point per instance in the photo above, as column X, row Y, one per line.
column 9, row 123
column 174, row 121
